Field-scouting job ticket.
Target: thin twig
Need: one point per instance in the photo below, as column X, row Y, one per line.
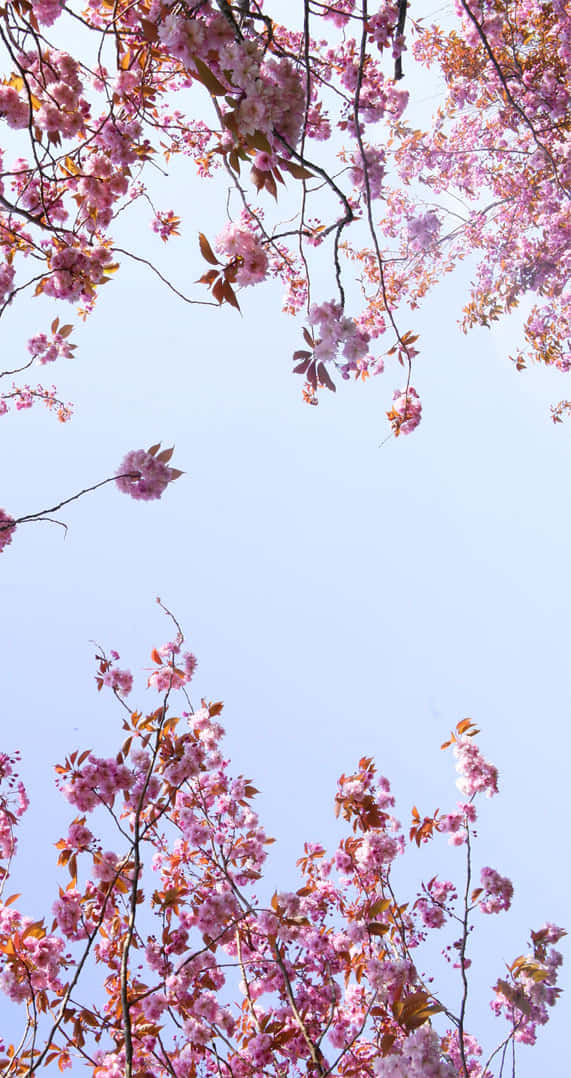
column 54, row 508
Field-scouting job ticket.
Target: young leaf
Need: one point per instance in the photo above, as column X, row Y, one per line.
column 166, row 455
column 208, row 78
column 229, row 295
column 206, row 250
column 150, row 32
column 298, row 171
column 324, row 378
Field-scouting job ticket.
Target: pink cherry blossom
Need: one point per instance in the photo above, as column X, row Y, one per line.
column 166, row 224
column 119, row 680
column 498, row 891
column 239, row 241
column 406, row 411
column 476, row 774
column 47, row 350
column 423, row 231
column 7, row 528
column 144, row 475
column 418, row 1057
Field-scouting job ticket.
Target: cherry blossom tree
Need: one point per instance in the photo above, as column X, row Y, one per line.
column 308, row 126
column 202, row 973
column 305, row 122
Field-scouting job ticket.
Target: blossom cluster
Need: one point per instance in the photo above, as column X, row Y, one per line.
column 25, row 396
column 7, row 528
column 436, row 903
column 531, row 989
column 38, row 959
column 121, row 681
column 239, row 242
column 166, row 224
column 47, row 349
column 13, row 804
column 419, row 1057
column 144, row 474
column 476, row 774
column 335, row 333
column 498, row 891
column 406, row 411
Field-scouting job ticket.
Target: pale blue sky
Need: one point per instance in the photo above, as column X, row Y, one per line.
column 341, row 598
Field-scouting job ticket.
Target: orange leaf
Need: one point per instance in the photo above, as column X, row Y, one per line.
column 463, row 725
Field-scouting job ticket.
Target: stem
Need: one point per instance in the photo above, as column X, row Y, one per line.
column 181, row 295
column 372, row 230
column 17, row 370
column 136, row 849
column 66, row 501
column 465, row 930
column 403, row 4
column 314, row 1051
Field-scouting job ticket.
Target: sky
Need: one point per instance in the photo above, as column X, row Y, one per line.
column 343, row 597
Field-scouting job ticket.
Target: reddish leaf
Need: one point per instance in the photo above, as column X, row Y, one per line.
column 271, row 185
column 206, row 250
column 376, row 929
column 324, row 378
column 230, row 295
column 209, row 277
column 259, row 141
column 257, row 176
column 208, row 78
column 166, row 455
column 298, row 171
column 150, row 32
